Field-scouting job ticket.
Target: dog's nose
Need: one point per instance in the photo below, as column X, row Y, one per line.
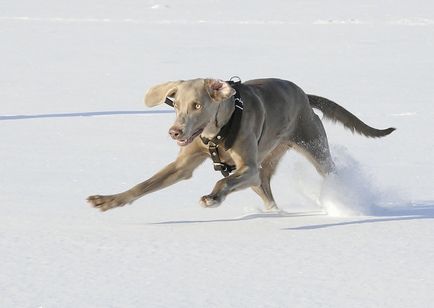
column 175, row 132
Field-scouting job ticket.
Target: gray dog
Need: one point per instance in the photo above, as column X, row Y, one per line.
column 262, row 118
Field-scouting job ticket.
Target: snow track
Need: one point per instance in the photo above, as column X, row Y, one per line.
column 82, row 114
column 398, row 22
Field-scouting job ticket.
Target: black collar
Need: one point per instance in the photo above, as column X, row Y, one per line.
column 228, row 133
column 169, row 101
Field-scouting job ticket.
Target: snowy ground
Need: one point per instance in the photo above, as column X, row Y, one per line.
column 72, row 80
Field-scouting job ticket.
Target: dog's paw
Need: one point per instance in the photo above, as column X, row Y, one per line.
column 210, row 201
column 105, row 203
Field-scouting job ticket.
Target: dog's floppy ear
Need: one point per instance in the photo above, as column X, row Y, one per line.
column 218, row 90
column 157, row 94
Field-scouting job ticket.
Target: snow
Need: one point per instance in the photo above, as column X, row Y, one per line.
column 73, row 123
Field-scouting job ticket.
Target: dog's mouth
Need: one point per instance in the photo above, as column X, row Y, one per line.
column 184, row 142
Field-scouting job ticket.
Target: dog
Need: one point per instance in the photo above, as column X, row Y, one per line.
column 273, row 115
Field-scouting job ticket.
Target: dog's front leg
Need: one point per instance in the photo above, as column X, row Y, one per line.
column 182, row 168
column 246, row 174
column 244, row 177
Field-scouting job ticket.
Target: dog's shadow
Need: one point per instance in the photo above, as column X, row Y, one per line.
column 421, row 210
column 402, row 212
column 250, row 216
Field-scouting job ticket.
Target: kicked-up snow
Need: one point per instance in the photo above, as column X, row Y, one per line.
column 73, row 124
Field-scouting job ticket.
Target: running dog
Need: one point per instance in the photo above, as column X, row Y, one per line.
column 273, row 115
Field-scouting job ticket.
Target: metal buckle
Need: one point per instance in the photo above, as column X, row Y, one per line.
column 235, row 79
column 240, row 105
column 220, row 167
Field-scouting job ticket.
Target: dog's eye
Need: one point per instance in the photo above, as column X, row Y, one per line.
column 197, row 106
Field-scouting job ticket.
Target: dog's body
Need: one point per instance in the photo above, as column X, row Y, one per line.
column 277, row 116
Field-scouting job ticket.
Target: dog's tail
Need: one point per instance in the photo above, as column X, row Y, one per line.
column 336, row 113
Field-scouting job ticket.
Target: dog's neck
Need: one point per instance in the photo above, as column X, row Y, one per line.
column 222, row 116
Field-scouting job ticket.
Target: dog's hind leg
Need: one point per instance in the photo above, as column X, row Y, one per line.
column 312, row 143
column 267, row 169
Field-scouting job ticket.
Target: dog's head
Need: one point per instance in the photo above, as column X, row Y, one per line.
column 195, row 102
